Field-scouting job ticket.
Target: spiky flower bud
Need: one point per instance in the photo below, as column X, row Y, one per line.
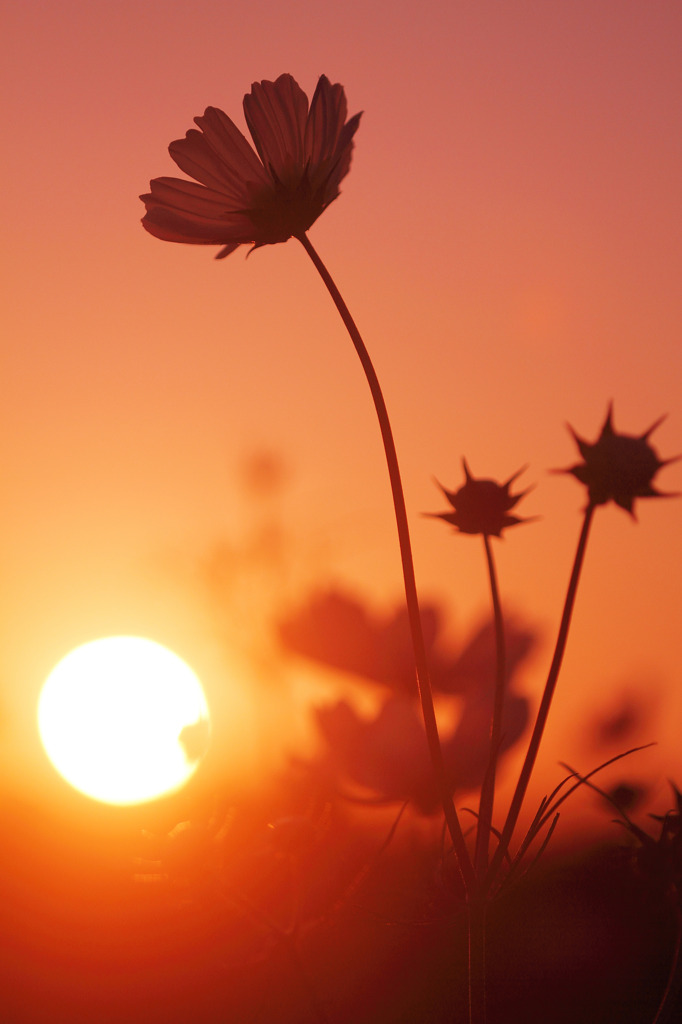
column 482, row 506
column 618, row 467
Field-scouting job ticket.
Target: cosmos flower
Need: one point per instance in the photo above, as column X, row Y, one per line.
column 263, row 197
column 386, row 754
column 618, row 467
column 338, row 630
column 482, row 506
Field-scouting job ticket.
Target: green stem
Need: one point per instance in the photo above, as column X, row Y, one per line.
column 425, row 694
column 543, row 710
column 485, row 810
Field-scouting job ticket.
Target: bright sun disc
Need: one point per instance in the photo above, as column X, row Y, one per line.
column 123, row 719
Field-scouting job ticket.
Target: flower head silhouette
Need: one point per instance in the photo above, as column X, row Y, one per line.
column 386, row 753
column 263, row 197
column 482, row 506
column 618, row 467
column 335, row 629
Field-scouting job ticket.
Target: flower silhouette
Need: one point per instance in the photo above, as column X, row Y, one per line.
column 385, row 753
column 618, row 467
column 482, row 506
column 239, row 197
column 338, row 630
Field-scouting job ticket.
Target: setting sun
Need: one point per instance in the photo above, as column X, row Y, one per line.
column 123, row 719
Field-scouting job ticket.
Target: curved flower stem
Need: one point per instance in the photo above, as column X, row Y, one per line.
column 543, row 710
column 425, row 694
column 485, row 809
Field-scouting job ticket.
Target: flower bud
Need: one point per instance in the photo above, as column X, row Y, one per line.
column 482, row 506
column 618, row 467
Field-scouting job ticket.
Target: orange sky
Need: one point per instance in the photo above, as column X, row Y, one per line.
column 508, row 240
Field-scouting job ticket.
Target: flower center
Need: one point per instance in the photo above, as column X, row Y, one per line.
column 281, row 211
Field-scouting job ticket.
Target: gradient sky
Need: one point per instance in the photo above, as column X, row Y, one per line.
column 508, row 240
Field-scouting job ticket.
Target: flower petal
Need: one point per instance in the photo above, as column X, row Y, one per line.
column 159, row 224
column 187, row 197
column 176, row 226
column 276, row 114
column 237, row 158
column 194, row 156
column 219, row 156
column 325, row 122
column 343, row 155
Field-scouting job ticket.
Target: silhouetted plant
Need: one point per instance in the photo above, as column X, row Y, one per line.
column 239, row 197
column 658, row 862
column 385, row 754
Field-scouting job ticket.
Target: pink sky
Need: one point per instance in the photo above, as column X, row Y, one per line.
column 508, row 240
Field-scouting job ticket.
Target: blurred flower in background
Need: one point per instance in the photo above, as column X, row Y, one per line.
column 387, row 754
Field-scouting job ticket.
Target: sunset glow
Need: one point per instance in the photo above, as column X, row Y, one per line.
column 431, row 596
column 115, row 716
column 507, row 239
